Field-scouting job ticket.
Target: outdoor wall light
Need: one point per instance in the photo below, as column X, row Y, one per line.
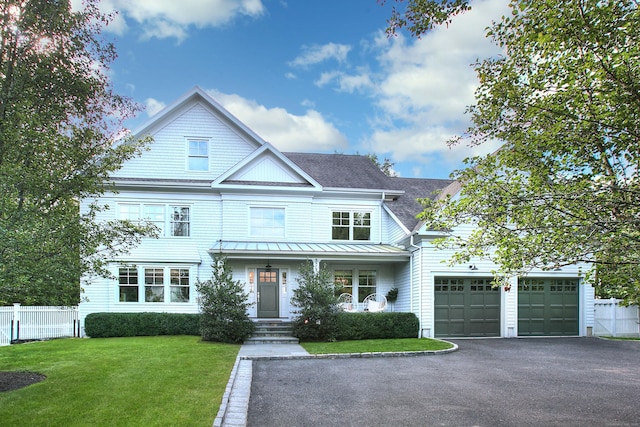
column 473, row 267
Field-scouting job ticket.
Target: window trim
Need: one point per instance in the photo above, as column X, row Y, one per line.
column 167, row 228
column 166, row 280
column 253, row 208
column 351, row 223
column 197, row 156
column 356, row 274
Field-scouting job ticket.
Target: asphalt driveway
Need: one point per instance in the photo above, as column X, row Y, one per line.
column 488, row 382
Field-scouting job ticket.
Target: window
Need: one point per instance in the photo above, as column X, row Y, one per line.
column 128, row 284
column 180, row 221
column 358, row 283
column 344, row 281
column 170, row 220
column 153, row 285
column 198, row 159
column 154, row 214
column 130, row 212
column 179, row 285
column 348, row 225
column 160, row 284
column 366, row 284
column 266, row 222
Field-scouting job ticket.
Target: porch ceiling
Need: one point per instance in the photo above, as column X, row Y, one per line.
column 351, row 251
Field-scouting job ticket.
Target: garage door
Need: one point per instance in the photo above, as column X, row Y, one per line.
column 466, row 307
column 547, row 307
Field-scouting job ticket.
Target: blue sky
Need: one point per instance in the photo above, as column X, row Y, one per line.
column 310, row 76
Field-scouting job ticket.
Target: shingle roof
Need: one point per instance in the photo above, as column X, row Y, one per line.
column 341, row 170
column 406, row 207
column 357, row 171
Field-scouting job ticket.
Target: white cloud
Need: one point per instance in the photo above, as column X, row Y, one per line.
column 172, row 19
column 316, row 54
column 427, row 85
column 310, row 132
column 153, row 106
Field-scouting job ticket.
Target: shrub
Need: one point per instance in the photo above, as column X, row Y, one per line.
column 317, row 305
column 224, row 306
column 104, row 325
column 362, row 326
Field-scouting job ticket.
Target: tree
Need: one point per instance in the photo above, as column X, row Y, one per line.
column 223, row 306
column 316, row 303
column 565, row 102
column 386, row 166
column 59, row 119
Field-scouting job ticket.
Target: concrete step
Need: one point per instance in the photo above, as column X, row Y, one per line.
column 257, row 340
column 272, row 332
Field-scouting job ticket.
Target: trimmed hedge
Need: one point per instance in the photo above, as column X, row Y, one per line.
column 364, row 326
column 104, row 325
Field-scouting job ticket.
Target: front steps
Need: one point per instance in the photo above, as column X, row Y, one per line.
column 272, row 332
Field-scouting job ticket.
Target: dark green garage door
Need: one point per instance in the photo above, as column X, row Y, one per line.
column 547, row 307
column 466, row 307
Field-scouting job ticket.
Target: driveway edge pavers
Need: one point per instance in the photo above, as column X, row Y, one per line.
column 235, row 400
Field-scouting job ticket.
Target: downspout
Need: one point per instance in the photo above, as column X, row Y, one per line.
column 419, row 282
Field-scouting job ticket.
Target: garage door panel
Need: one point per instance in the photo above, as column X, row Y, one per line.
column 473, row 307
column 548, row 306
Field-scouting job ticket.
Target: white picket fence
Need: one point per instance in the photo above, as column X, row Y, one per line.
column 32, row 323
column 612, row 319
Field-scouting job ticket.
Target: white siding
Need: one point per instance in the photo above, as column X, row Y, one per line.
column 167, row 157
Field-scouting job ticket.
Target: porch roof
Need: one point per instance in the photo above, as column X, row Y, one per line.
column 351, row 251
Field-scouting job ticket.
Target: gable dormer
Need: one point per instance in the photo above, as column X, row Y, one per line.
column 266, row 167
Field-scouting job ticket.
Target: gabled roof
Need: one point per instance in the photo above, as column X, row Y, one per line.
column 197, row 95
column 268, row 158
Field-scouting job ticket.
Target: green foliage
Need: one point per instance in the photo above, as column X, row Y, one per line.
column 224, row 306
column 392, row 295
column 361, row 326
column 564, row 188
column 386, row 166
column 105, row 325
column 58, row 122
column 420, row 16
column 316, row 305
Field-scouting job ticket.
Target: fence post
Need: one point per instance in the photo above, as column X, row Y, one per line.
column 15, row 323
column 614, row 318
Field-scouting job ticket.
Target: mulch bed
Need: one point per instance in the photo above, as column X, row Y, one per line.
column 18, row 379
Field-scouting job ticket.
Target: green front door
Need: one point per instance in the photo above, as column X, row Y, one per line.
column 268, row 292
column 466, row 307
column 547, row 307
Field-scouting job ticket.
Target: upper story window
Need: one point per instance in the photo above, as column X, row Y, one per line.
column 266, row 222
column 180, row 221
column 198, row 157
column 171, row 220
column 351, row 225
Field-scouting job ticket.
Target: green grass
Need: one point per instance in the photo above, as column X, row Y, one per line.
column 141, row 381
column 366, row 346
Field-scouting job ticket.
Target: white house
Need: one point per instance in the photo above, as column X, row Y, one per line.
column 212, row 186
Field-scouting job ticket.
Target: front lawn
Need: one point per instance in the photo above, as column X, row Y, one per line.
column 141, row 381
column 371, row 346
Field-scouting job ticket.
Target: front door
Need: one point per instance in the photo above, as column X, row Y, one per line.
column 268, row 293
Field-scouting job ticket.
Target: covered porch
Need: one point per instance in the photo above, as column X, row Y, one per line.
column 269, row 271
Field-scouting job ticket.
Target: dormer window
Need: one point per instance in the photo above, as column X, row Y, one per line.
column 351, row 225
column 198, row 157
